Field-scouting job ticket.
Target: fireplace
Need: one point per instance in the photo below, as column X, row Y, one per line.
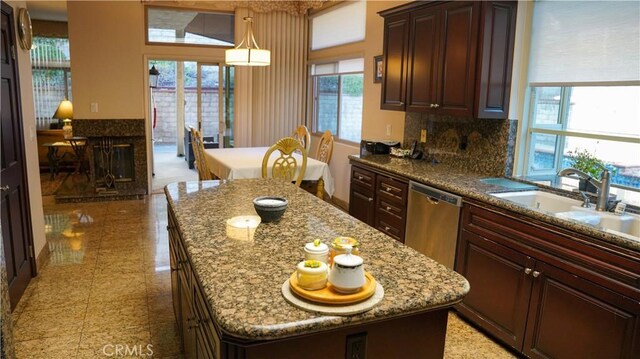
column 113, row 163
column 117, row 158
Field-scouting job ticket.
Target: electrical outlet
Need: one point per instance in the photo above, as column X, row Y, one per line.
column 389, row 130
column 357, row 346
column 94, row 107
column 423, row 136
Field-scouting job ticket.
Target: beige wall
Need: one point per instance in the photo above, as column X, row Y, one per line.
column 30, row 142
column 374, row 120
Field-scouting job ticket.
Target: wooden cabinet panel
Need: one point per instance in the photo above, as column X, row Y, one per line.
column 363, row 178
column 545, row 293
column 459, row 57
column 500, row 286
column 574, row 318
column 498, row 21
column 392, row 190
column 423, row 59
column 361, row 205
column 456, row 84
column 396, row 44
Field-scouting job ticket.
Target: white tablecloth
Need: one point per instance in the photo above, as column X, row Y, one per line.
column 237, row 163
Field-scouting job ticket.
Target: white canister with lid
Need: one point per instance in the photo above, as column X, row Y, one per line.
column 347, row 273
column 316, row 250
column 311, row 274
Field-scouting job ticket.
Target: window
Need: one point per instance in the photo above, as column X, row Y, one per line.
column 337, row 98
column 584, row 87
column 340, row 25
column 51, row 77
column 177, row 26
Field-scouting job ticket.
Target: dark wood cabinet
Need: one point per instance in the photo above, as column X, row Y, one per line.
column 379, row 199
column 533, row 288
column 454, row 58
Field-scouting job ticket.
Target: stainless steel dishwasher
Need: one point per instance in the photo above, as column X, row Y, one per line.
column 432, row 222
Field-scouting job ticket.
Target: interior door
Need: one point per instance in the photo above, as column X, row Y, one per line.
column 14, row 209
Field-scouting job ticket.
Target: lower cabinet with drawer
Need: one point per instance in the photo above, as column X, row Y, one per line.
column 546, row 292
column 379, row 199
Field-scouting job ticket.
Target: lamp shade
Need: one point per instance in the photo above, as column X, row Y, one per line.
column 154, row 75
column 248, row 57
column 64, row 111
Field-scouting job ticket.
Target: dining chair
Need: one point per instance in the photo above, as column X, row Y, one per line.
column 285, row 165
column 302, row 135
column 325, row 147
column 198, row 151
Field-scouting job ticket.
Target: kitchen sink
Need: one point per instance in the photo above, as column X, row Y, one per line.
column 543, row 201
column 567, row 208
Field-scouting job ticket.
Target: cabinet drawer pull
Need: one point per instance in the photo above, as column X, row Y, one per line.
column 387, row 228
column 4, row 188
column 388, row 189
column 388, row 208
column 370, row 199
column 431, row 106
column 536, row 274
column 527, row 271
column 435, row 105
column 360, row 178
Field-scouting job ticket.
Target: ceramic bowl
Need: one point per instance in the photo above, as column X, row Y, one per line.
column 270, row 208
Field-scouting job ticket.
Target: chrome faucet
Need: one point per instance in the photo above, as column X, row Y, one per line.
column 603, row 185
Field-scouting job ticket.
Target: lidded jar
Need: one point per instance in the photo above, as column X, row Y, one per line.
column 316, row 250
column 339, row 244
column 311, row 274
column 347, row 272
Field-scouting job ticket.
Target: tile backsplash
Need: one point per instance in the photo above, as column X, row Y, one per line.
column 479, row 145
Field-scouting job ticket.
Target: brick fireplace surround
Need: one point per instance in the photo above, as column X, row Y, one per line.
column 121, row 131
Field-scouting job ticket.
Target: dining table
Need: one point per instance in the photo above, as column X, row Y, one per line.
column 246, row 162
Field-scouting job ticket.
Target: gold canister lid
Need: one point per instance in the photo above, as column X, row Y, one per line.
column 341, row 242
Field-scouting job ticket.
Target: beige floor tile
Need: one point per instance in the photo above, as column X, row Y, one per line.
column 50, row 322
column 465, row 342
column 118, row 267
column 108, row 287
column 62, row 347
column 116, row 315
column 161, row 309
column 133, row 342
column 165, row 339
column 158, row 283
column 54, row 296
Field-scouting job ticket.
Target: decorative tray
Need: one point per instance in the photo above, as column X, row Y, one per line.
column 328, row 295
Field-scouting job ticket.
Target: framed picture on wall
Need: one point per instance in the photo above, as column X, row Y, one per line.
column 377, row 69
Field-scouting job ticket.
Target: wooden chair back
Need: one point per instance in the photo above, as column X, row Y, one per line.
column 197, row 144
column 302, row 135
column 285, row 166
column 325, row 147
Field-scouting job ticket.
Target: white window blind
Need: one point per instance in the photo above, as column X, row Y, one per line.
column 340, row 67
column 578, row 42
column 338, row 26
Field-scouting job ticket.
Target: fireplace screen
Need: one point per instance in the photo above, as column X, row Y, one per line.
column 113, row 163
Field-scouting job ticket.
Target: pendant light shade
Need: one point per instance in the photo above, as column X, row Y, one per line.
column 248, row 53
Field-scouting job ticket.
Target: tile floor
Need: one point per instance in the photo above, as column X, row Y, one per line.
column 107, row 282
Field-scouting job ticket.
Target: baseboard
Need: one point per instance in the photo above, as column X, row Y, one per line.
column 43, row 257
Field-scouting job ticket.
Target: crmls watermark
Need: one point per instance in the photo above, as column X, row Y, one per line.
column 121, row 350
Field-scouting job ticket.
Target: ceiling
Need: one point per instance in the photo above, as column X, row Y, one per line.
column 48, row 10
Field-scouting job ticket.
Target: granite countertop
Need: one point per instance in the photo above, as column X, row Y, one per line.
column 242, row 280
column 468, row 184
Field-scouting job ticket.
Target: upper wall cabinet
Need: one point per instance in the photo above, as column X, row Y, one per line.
column 451, row 58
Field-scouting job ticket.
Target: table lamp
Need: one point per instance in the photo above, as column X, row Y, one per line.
column 65, row 113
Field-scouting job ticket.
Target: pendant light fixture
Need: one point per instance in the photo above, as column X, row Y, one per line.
column 248, row 53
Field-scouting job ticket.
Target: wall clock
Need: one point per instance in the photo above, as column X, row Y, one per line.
column 24, row 29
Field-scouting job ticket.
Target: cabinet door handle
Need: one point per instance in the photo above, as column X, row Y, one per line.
column 431, row 106
column 370, row 199
column 4, row 188
column 401, row 103
column 536, row 274
column 527, row 271
column 435, row 105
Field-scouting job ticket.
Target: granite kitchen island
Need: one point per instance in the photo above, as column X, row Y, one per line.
column 227, row 293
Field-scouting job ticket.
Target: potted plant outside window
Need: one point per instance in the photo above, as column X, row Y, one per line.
column 588, row 163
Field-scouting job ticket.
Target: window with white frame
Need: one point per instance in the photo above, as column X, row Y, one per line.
column 584, row 88
column 337, row 98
